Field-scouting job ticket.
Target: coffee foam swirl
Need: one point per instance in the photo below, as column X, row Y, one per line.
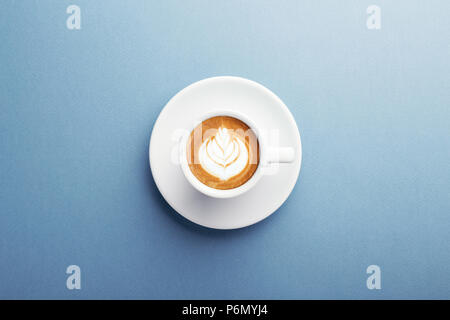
column 224, row 154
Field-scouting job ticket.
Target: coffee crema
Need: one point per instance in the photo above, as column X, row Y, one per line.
column 223, row 152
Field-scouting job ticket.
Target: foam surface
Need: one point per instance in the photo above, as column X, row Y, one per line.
column 223, row 155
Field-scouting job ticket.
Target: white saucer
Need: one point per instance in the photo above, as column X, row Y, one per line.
column 181, row 112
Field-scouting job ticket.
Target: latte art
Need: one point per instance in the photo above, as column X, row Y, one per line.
column 222, row 152
column 223, row 155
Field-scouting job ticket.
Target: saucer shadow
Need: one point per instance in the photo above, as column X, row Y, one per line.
column 164, row 208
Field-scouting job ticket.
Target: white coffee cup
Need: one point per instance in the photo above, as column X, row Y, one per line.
column 267, row 155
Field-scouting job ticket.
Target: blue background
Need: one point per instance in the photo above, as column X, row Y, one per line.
column 78, row 106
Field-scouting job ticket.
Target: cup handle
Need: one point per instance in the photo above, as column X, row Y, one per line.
column 281, row 155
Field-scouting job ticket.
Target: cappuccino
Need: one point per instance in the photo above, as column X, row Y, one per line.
column 223, row 152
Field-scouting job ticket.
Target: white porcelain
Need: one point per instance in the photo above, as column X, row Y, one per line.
column 268, row 154
column 261, row 108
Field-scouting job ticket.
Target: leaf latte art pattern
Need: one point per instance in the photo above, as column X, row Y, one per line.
column 223, row 155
